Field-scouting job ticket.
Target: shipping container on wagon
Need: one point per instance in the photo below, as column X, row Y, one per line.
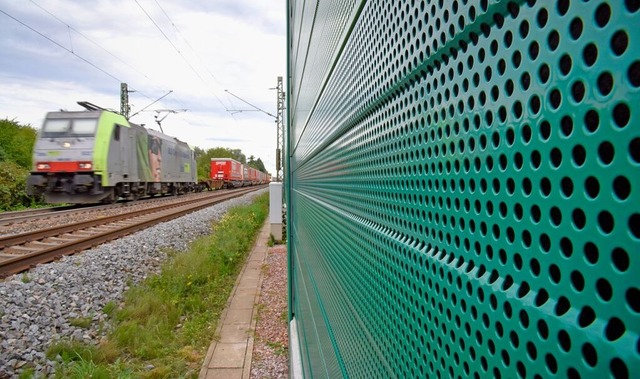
column 246, row 181
column 253, row 176
column 248, row 175
column 228, row 170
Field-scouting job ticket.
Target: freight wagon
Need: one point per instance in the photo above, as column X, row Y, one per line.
column 230, row 171
column 257, row 177
column 252, row 177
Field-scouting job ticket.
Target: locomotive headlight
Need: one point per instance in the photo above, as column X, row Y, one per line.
column 85, row 165
column 66, row 144
column 43, row 166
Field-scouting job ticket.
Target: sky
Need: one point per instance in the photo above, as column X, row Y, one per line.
column 219, row 58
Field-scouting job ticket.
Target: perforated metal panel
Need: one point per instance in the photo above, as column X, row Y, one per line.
column 464, row 188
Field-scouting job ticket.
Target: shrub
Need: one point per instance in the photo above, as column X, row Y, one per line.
column 13, row 186
column 16, row 142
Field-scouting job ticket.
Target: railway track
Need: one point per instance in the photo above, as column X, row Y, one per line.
column 22, row 251
column 9, row 218
column 34, row 214
column 22, row 221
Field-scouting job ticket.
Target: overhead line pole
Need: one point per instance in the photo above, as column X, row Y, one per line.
column 124, row 100
column 279, row 130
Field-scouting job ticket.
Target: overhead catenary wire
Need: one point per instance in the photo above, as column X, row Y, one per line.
column 70, row 50
column 176, row 48
column 256, row 109
column 71, row 28
column 106, row 51
column 61, row 46
column 193, row 50
column 165, row 95
column 157, row 27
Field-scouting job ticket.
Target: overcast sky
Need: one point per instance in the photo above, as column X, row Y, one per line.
column 54, row 53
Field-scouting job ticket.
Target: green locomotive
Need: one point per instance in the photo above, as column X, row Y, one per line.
column 97, row 156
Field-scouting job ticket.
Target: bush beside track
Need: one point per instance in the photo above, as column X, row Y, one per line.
column 16, row 144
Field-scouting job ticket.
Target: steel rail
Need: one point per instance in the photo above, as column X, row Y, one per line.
column 17, row 216
column 8, row 218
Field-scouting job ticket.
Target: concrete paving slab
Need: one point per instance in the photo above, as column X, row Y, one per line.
column 242, row 302
column 228, row 355
column 235, row 332
column 236, row 316
column 228, row 373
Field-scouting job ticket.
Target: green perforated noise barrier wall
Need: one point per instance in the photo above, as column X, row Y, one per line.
column 464, row 188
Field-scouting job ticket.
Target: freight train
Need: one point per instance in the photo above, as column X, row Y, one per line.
column 98, row 156
column 229, row 173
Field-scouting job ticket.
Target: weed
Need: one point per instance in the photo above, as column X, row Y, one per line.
column 71, row 351
column 109, row 308
column 88, row 369
column 26, row 278
column 27, row 373
column 278, row 347
column 259, row 309
column 81, row 322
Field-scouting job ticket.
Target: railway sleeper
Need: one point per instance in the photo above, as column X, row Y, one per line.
column 23, row 249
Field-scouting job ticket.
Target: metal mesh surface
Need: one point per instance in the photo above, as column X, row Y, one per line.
column 464, row 194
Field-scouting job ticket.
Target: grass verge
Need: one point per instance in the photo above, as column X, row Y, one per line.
column 165, row 325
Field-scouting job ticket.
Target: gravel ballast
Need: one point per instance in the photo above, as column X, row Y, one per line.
column 271, row 346
column 38, row 307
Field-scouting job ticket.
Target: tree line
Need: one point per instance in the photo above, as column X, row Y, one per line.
column 16, row 154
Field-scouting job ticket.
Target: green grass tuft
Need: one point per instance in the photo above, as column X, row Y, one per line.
column 81, row 322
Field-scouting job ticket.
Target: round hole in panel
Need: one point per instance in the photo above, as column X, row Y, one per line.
column 589, row 354
column 603, row 15
column 619, row 369
column 575, row 28
column 633, row 74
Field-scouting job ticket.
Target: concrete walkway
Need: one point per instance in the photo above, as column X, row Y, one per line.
column 230, row 353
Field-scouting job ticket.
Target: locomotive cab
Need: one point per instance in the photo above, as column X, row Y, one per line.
column 63, row 165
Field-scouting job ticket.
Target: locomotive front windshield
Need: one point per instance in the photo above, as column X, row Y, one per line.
column 80, row 127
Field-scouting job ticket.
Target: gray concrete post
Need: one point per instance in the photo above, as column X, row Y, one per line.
column 275, row 210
